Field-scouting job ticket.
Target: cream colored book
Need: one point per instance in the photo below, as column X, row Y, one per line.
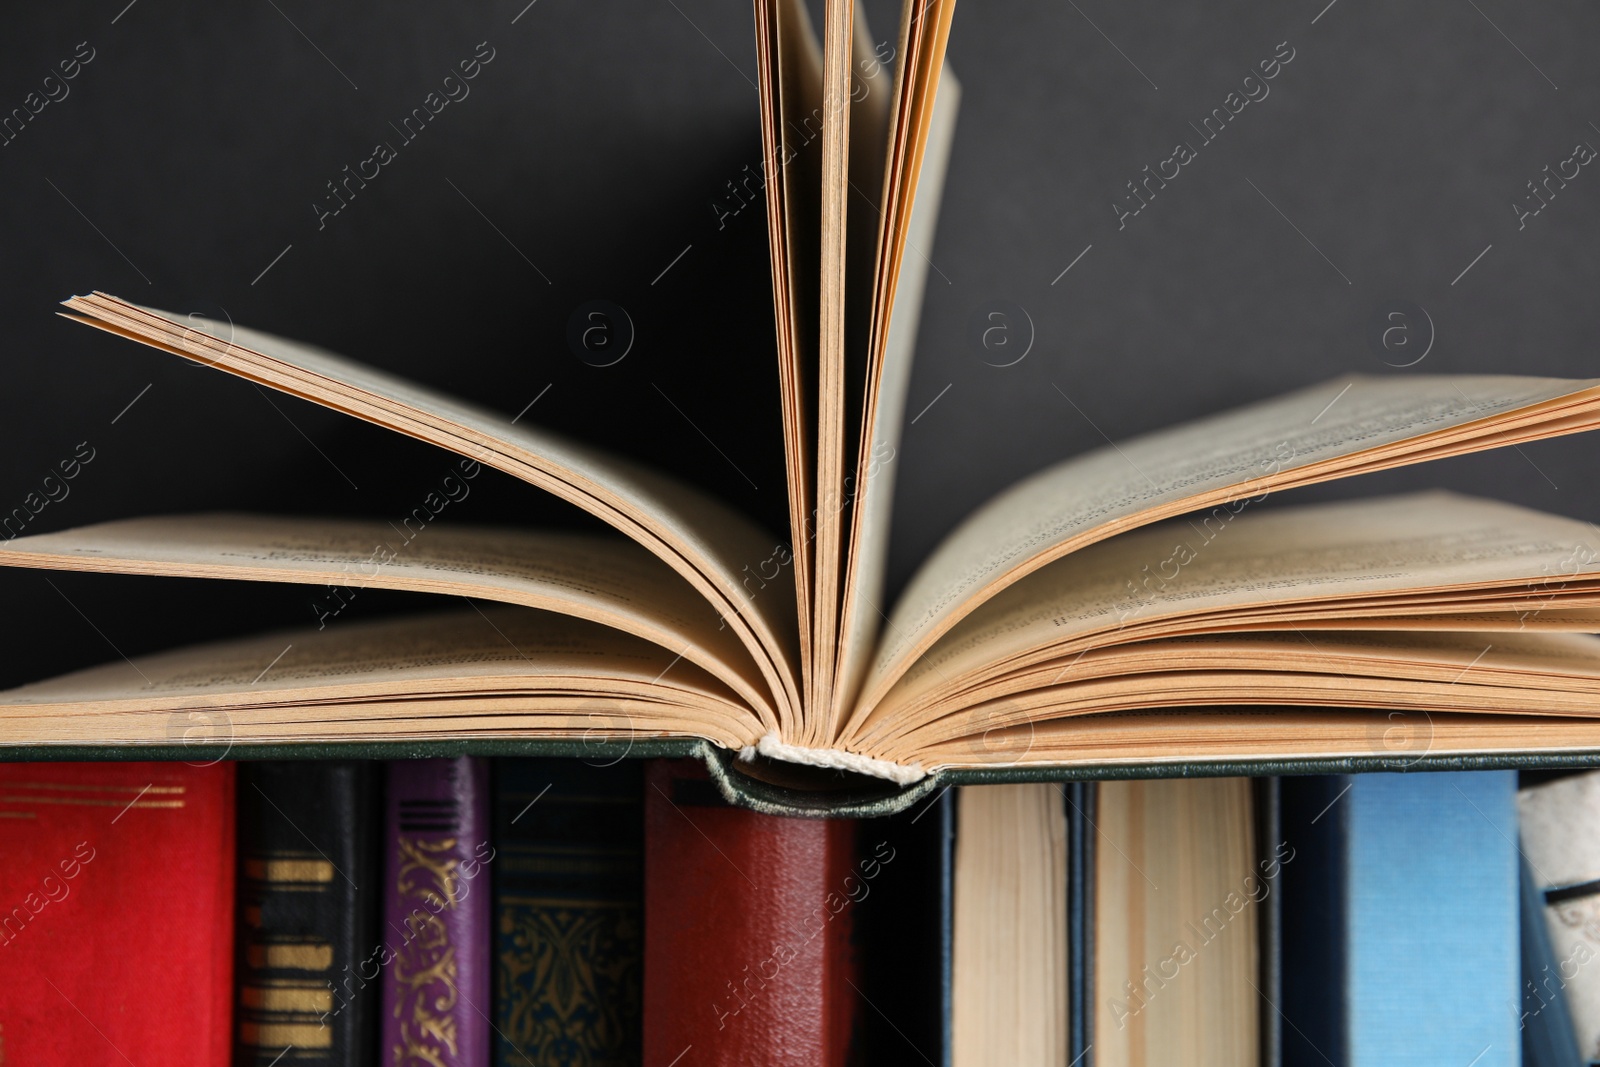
column 1140, row 604
column 1170, row 917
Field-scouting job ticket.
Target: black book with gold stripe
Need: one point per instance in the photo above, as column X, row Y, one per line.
column 308, row 882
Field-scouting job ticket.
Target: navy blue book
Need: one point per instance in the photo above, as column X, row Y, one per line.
column 569, row 912
column 1401, row 920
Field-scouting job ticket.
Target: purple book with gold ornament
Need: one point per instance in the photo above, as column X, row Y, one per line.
column 436, row 993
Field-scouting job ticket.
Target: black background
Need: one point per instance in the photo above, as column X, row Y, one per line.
column 588, row 155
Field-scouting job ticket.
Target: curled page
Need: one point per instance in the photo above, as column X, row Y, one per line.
column 606, row 580
column 507, row 672
column 1443, row 693
column 702, row 539
column 862, row 611
column 1333, row 564
column 1344, row 427
column 789, row 65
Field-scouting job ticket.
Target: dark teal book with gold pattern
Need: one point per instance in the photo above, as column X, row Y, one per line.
column 568, row 912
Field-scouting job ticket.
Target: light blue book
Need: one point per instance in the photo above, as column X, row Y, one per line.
column 1408, row 898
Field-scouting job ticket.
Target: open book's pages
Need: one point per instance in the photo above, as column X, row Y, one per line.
column 852, row 201
column 1339, row 429
column 1473, row 615
column 1126, row 616
column 1436, row 604
column 502, row 672
column 1059, row 625
column 609, row 581
column 700, row 538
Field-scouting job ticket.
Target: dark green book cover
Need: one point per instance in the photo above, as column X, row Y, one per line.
column 568, row 912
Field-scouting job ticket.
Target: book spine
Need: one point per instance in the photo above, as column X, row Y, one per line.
column 569, row 912
column 1560, row 822
column 436, row 913
column 1079, row 798
column 1310, row 884
column 748, row 924
column 1432, row 876
column 903, row 927
column 308, row 881
column 1269, row 923
column 1417, row 957
column 1548, row 1036
column 116, row 913
column 946, row 803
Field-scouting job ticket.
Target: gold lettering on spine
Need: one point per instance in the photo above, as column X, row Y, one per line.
column 277, row 1035
column 288, row 870
column 284, row 997
column 307, row 956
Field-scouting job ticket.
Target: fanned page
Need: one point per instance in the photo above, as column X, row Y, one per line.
column 1430, row 605
column 838, row 51
column 888, row 149
column 610, row 581
column 855, row 139
column 700, row 538
column 1400, row 696
column 1443, row 561
column 862, row 612
column 504, row 672
column 1345, row 427
column 789, row 62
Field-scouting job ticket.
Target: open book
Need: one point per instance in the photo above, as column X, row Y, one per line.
column 1134, row 605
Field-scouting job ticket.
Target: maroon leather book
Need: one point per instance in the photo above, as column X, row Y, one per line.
column 436, row 993
column 116, row 913
column 747, row 926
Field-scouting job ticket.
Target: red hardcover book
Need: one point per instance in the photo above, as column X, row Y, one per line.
column 748, row 919
column 116, row 913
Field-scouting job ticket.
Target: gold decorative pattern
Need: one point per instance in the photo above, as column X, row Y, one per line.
column 427, row 869
column 572, row 980
column 425, row 968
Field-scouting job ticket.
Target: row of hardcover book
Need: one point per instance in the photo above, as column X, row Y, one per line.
column 438, row 911
column 465, row 912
